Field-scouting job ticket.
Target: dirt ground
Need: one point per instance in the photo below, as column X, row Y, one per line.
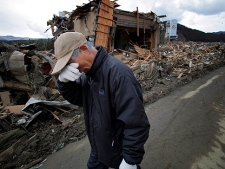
column 187, row 126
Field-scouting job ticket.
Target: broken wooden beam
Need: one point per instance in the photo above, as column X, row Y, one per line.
column 8, row 153
column 137, row 22
column 5, row 97
column 18, row 86
column 34, row 162
column 16, row 109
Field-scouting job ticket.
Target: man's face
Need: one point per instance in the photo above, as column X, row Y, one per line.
column 84, row 59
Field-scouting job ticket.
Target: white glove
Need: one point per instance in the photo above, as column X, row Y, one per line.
column 124, row 165
column 70, row 73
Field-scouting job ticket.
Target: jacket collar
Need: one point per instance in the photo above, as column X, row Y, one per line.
column 99, row 58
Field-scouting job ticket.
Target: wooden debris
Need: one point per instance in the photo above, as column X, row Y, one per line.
column 177, row 59
column 142, row 53
column 34, row 162
column 15, row 109
column 179, row 75
column 18, row 86
column 5, row 98
column 8, row 153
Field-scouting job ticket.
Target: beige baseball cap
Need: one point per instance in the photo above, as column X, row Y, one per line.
column 64, row 46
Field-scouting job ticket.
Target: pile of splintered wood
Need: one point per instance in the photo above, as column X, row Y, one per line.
column 138, row 55
column 144, row 53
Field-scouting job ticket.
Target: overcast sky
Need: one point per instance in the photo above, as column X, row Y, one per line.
column 27, row 18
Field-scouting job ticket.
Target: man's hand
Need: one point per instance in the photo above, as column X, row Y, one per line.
column 70, row 73
column 124, row 165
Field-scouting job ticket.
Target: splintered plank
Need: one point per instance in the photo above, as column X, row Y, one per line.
column 102, row 39
column 5, row 98
column 104, row 22
column 103, row 28
column 16, row 109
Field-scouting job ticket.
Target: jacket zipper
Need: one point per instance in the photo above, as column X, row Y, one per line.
column 92, row 119
column 115, row 143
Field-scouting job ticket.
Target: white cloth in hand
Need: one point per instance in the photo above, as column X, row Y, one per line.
column 124, row 165
column 70, row 73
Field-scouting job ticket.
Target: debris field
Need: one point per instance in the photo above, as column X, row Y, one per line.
column 36, row 121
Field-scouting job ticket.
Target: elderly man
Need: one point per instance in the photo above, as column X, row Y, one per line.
column 111, row 97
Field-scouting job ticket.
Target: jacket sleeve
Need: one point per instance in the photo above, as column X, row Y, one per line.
column 71, row 91
column 128, row 103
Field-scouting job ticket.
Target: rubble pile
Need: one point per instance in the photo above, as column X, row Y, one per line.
column 61, row 22
column 34, row 118
column 36, row 121
column 162, row 70
column 4, row 47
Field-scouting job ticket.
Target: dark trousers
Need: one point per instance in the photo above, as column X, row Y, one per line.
column 94, row 163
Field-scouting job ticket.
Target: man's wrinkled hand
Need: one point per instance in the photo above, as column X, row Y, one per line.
column 125, row 165
column 70, row 73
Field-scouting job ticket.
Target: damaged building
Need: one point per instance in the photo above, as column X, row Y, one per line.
column 103, row 24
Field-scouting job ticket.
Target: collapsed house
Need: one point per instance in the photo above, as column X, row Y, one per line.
column 103, row 24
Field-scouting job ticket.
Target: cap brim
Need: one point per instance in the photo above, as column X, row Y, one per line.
column 61, row 63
